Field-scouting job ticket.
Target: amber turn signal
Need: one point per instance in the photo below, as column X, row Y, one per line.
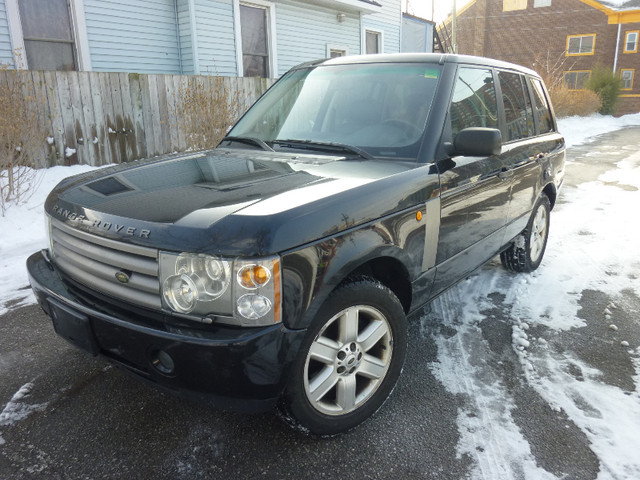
column 253, row 276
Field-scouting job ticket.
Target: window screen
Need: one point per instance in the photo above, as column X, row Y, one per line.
column 631, row 42
column 373, row 42
column 581, row 45
column 474, row 100
column 255, row 49
column 48, row 36
column 577, row 80
column 517, row 108
column 543, row 113
column 627, row 79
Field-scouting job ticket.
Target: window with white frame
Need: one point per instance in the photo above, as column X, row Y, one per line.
column 627, row 78
column 334, row 51
column 631, row 42
column 373, row 42
column 254, row 29
column 48, row 34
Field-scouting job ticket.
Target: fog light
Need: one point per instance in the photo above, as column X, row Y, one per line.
column 253, row 306
column 162, row 362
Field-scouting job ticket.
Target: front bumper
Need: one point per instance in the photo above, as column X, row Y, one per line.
column 243, row 369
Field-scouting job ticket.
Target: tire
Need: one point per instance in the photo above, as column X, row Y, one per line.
column 526, row 252
column 350, row 359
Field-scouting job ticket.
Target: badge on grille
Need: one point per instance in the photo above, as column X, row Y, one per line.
column 122, row 277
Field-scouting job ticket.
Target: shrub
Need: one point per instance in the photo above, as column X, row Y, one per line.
column 607, row 85
column 567, row 103
column 22, row 138
column 210, row 108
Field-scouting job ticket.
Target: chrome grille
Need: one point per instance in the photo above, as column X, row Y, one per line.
column 94, row 261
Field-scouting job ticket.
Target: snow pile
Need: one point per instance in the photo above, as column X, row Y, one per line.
column 579, row 130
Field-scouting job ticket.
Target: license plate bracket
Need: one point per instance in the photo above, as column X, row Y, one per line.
column 73, row 326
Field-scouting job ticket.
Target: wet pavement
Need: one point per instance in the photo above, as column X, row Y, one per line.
column 476, row 398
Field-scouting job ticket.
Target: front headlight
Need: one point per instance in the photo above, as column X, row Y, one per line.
column 204, row 286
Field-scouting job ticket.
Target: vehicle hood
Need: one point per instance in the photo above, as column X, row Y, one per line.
column 228, row 201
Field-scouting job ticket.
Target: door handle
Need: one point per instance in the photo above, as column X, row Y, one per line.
column 537, row 157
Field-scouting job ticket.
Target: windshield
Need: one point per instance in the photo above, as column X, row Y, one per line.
column 379, row 108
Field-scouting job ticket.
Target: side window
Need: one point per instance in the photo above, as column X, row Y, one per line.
column 517, row 107
column 541, row 105
column 474, row 100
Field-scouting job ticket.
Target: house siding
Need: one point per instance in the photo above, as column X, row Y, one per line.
column 388, row 21
column 184, row 34
column 304, row 33
column 139, row 36
column 216, row 39
column 6, row 55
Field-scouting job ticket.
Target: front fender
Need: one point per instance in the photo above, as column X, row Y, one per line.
column 311, row 273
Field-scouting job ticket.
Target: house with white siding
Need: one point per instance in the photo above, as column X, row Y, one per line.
column 217, row 37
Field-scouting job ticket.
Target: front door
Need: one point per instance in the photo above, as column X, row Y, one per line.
column 474, row 190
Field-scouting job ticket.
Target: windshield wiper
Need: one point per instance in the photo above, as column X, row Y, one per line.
column 326, row 146
column 249, row 140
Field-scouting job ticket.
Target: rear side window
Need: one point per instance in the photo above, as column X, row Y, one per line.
column 517, row 106
column 541, row 105
column 474, row 100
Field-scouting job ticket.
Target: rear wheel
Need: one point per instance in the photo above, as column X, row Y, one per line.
column 526, row 252
column 350, row 360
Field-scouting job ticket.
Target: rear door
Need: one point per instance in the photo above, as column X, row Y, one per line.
column 521, row 151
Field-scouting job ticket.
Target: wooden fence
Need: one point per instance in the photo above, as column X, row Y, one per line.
column 98, row 118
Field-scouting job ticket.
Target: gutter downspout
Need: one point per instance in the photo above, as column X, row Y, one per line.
column 194, row 37
column 615, row 58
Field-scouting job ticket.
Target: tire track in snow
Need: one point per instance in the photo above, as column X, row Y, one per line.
column 488, row 431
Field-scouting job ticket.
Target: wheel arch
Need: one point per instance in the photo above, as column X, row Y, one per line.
column 360, row 255
column 551, row 192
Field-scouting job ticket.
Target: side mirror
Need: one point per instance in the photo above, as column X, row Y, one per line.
column 478, row 142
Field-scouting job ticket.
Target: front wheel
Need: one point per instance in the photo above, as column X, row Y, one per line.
column 350, row 360
column 526, row 252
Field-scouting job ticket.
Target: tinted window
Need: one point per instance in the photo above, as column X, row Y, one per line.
column 543, row 113
column 517, row 108
column 474, row 100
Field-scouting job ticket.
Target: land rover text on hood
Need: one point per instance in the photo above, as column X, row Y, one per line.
column 278, row 269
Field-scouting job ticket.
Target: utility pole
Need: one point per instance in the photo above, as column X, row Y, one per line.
column 453, row 28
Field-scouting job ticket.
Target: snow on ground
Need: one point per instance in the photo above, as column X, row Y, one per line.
column 593, row 245
column 579, row 130
column 589, row 249
column 22, row 233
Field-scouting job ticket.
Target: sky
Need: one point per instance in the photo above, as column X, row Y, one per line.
column 423, row 8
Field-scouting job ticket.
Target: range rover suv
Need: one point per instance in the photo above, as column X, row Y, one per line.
column 278, row 269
